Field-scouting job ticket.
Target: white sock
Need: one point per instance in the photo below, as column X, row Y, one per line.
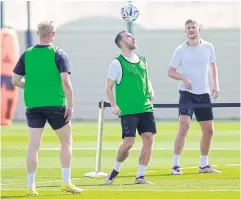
column 31, row 180
column 176, row 159
column 66, row 172
column 117, row 166
column 203, row 161
column 141, row 171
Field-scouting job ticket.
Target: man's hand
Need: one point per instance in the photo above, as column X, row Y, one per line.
column 215, row 91
column 152, row 95
column 68, row 113
column 116, row 110
column 188, row 83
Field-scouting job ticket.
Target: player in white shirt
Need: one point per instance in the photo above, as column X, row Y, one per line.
column 132, row 103
column 190, row 64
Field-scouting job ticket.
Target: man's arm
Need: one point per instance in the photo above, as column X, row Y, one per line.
column 114, row 75
column 214, row 72
column 109, row 92
column 150, row 87
column 68, row 89
column 214, row 75
column 172, row 72
column 151, row 90
column 173, row 66
column 19, row 73
column 63, row 65
column 17, row 80
column 175, row 62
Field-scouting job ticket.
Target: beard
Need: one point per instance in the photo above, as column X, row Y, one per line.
column 131, row 46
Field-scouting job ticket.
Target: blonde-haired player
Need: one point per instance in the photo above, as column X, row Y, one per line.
column 47, row 86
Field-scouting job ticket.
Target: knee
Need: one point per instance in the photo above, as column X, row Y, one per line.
column 209, row 132
column 128, row 143
column 147, row 138
column 34, row 146
column 67, row 142
column 183, row 128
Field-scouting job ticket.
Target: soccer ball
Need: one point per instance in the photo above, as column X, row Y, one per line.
column 129, row 12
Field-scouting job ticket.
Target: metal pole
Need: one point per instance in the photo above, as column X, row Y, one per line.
column 130, row 25
column 2, row 14
column 28, row 32
column 28, row 14
column 99, row 137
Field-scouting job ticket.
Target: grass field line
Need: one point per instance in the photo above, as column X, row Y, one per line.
column 135, row 149
column 180, row 168
column 42, row 182
column 234, row 165
column 142, row 190
column 57, row 180
column 50, row 181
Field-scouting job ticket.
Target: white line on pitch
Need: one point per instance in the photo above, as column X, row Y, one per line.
column 43, row 182
column 214, row 165
column 57, row 180
column 180, row 168
column 191, row 190
column 145, row 190
column 135, row 149
column 146, row 172
column 234, row 165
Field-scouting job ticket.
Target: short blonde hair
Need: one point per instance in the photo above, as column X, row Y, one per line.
column 192, row 21
column 46, row 28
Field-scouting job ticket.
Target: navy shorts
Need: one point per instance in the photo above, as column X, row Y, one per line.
column 202, row 114
column 143, row 122
column 37, row 117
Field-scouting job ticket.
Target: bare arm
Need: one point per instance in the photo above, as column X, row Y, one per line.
column 110, row 96
column 151, row 91
column 17, row 80
column 172, row 72
column 214, row 74
column 67, row 86
column 109, row 91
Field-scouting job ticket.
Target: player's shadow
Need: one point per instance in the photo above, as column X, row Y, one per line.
column 25, row 196
column 96, row 185
column 87, row 185
column 45, row 186
column 13, row 196
column 159, row 175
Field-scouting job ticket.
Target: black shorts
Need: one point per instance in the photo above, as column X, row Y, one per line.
column 143, row 122
column 202, row 114
column 37, row 117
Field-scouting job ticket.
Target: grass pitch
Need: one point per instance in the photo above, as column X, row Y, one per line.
column 225, row 155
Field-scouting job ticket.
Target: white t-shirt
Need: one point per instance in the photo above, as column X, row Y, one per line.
column 194, row 63
column 115, row 70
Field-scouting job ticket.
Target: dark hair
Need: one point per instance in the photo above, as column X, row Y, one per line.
column 118, row 38
column 191, row 21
